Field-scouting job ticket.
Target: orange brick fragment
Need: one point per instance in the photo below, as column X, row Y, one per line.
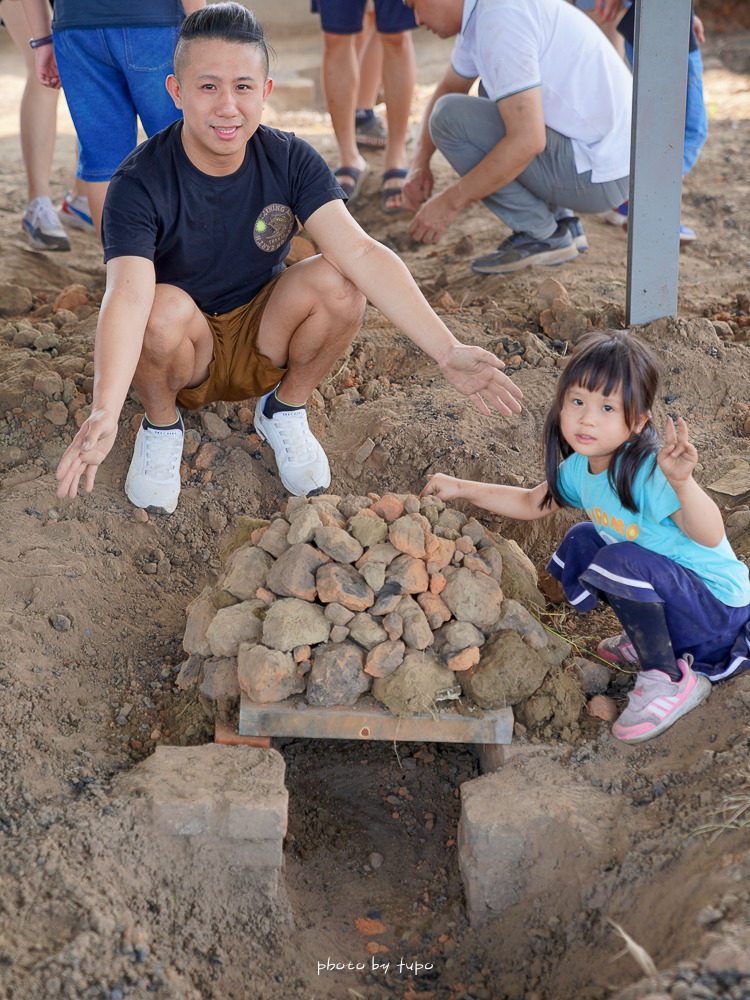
column 365, row 925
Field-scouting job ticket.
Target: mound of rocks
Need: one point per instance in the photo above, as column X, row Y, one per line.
column 401, row 597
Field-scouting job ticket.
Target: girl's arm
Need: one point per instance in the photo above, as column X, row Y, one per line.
column 510, row 501
column 698, row 516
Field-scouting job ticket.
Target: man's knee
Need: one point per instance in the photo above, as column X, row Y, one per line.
column 445, row 116
column 168, row 320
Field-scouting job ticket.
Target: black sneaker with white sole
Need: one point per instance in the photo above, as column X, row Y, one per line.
column 523, row 250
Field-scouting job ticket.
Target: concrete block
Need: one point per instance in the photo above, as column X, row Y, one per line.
column 521, row 826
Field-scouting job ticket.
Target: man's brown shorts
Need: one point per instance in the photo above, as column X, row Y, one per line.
column 238, row 369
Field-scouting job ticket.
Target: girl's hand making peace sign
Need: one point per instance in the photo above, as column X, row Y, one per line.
column 678, row 457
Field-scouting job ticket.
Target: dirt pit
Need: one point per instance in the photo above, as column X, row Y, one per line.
column 93, row 606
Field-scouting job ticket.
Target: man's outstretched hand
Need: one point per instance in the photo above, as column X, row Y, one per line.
column 86, row 452
column 477, row 374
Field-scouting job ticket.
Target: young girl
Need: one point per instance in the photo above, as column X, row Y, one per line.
column 654, row 547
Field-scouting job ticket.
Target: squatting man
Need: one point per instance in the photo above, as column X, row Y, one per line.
column 198, row 305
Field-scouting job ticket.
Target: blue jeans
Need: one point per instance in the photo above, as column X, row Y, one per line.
column 696, row 119
column 112, row 77
column 465, row 129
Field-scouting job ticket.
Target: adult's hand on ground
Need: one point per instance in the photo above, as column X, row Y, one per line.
column 477, row 374
column 417, row 188
column 433, row 219
column 86, row 452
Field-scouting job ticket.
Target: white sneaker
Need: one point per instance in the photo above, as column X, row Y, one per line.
column 302, row 463
column 154, row 474
column 42, row 226
column 75, row 212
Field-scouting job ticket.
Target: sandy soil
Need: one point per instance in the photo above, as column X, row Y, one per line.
column 93, row 609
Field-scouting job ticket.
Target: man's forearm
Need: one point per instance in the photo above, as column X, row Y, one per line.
column 117, row 349
column 424, row 147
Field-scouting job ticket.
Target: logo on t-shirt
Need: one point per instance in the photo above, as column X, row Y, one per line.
column 273, row 227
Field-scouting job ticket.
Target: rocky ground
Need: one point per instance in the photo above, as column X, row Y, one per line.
column 94, row 596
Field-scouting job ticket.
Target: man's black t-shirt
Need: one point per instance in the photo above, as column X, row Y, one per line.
column 220, row 239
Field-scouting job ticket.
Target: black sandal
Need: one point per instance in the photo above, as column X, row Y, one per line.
column 392, row 192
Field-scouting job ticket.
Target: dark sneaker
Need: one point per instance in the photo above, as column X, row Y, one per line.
column 522, row 250
column 618, row 649
column 575, row 228
column 372, row 132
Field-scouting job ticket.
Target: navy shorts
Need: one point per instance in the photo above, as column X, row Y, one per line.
column 346, row 17
column 717, row 636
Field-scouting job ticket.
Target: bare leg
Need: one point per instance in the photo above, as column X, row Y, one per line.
column 370, row 55
column 38, row 108
column 177, row 350
column 96, row 192
column 312, row 316
column 340, row 79
column 399, row 78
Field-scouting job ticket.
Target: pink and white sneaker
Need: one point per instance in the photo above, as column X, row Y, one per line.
column 657, row 702
column 618, row 649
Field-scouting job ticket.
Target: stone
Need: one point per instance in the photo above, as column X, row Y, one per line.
column 366, row 631
column 48, row 383
column 328, row 514
column 267, row 675
column 593, row 677
column 200, row 614
column 508, row 672
column 338, row 544
column 247, row 570
column 518, row 578
column 437, row 583
column 384, row 658
column 206, row 456
column 463, row 659
column 416, row 687
column 337, row 676
column 293, row 573
column 473, row 597
column 563, row 701
column 374, row 574
column 407, row 536
column 515, row 616
column 389, row 507
column 549, row 290
column 417, row 632
column 477, row 563
column 439, row 553
column 450, row 520
column 301, row 653
column 190, row 673
column 220, row 685
column 352, row 505
column 343, row 584
column 409, row 573
column 293, row 505
column 338, row 633
column 302, row 525
column 455, row 636
column 464, row 544
column 274, row 539
column 338, row 614
column 234, row 625
column 291, row 622
column 383, row 553
column 474, row 530
column 15, row 299
column 393, row 623
column 368, row 531
column 71, row 297
column 214, row 427
column 602, row 707
column 435, row 609
column 56, row 413
column 388, row 599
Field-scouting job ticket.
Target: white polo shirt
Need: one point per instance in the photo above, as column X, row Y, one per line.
column 515, row 45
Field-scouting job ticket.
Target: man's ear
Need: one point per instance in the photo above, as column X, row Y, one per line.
column 173, row 86
column 267, row 88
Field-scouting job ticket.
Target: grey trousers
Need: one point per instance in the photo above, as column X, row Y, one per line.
column 465, row 129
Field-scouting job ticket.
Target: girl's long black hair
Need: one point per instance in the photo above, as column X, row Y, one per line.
column 604, row 361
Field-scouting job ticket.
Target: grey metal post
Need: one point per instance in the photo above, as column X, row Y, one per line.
column 658, row 135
